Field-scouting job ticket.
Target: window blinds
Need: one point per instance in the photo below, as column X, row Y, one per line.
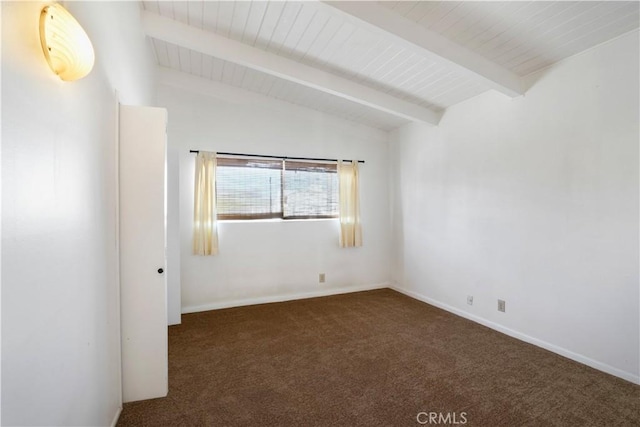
column 261, row 189
column 310, row 190
column 249, row 188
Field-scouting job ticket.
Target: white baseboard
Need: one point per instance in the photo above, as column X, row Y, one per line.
column 523, row 337
column 282, row 298
column 115, row 418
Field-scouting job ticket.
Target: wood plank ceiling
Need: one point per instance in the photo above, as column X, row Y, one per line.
column 519, row 37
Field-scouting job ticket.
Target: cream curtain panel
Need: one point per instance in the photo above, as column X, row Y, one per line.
column 348, row 183
column 205, row 224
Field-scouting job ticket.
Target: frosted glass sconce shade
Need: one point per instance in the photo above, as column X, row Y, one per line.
column 65, row 44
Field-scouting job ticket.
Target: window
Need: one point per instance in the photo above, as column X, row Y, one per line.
column 310, row 190
column 248, row 188
column 261, row 189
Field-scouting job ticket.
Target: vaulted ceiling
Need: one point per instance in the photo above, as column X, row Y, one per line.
column 381, row 64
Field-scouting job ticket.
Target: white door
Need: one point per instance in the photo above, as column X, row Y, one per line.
column 142, row 253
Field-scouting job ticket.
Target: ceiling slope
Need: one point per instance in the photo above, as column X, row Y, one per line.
column 208, row 43
column 431, row 44
column 378, row 63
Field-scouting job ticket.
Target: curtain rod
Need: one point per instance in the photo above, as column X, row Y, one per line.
column 278, row 157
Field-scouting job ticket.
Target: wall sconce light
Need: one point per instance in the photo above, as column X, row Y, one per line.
column 65, row 44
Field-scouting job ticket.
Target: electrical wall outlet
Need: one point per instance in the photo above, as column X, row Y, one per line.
column 321, row 278
column 501, row 305
column 470, row 299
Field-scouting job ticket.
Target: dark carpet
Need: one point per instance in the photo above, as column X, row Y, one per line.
column 373, row 358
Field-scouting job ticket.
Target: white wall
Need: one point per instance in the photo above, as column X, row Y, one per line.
column 535, row 201
column 60, row 318
column 274, row 260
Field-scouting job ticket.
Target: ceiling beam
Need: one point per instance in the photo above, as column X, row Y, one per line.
column 430, row 44
column 208, row 43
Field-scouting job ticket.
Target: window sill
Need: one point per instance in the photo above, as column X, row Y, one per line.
column 253, row 221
